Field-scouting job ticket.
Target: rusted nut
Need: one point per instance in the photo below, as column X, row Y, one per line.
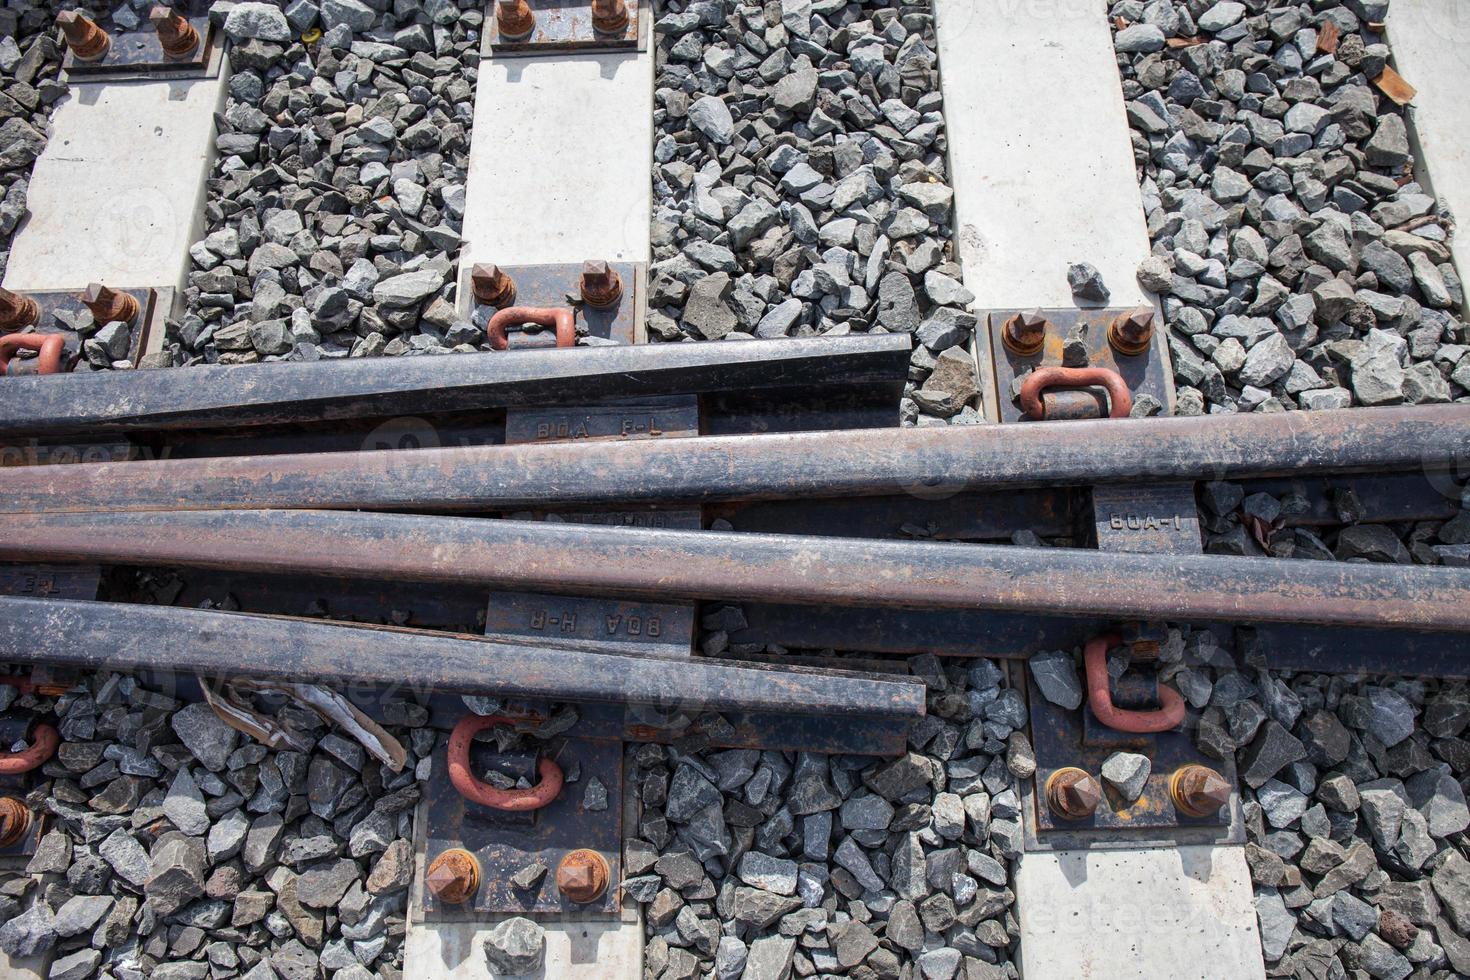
column 516, row 800
column 514, row 19
column 44, row 740
column 108, row 305
column 1198, row 791
column 454, row 876
column 15, row 820
column 176, row 35
column 601, row 285
column 49, row 345
column 17, row 311
column 609, row 16
column 1168, row 716
column 1024, row 333
column 1120, row 399
column 1072, row 794
column 582, row 876
column 1131, row 333
column 492, row 285
column 496, row 331
column 87, row 41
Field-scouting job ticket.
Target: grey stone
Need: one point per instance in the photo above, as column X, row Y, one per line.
column 1128, row 773
column 1086, row 283
column 259, row 21
column 516, row 946
column 30, row 933
column 209, row 740
column 184, row 805
column 772, row 874
column 711, row 116
column 1055, row 673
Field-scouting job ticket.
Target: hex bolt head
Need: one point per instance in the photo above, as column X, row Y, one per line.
column 601, row 285
column 1024, row 333
column 17, row 311
column 514, row 19
column 15, row 820
column 492, row 285
column 1132, row 332
column 1072, row 794
column 177, row 36
column 582, row 876
column 609, row 16
column 454, row 876
column 1199, row 791
column 87, row 41
column 108, row 305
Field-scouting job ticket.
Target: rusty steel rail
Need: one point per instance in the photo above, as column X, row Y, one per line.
column 925, row 462
column 116, row 636
column 605, row 561
column 284, row 393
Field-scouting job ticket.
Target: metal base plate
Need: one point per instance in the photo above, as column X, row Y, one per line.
column 504, row 843
column 52, row 302
column 139, row 54
column 1075, row 738
column 563, row 25
column 1145, row 374
column 557, row 285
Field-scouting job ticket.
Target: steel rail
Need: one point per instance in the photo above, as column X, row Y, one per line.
column 116, row 636
column 290, row 392
column 787, row 569
column 924, row 462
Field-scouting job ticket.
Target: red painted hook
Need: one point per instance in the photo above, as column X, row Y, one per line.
column 49, row 344
column 44, row 740
column 472, row 789
column 1120, row 399
column 1100, row 695
column 547, row 316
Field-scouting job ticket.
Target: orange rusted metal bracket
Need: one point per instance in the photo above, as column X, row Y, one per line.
column 561, row 318
column 1100, row 696
column 1120, row 399
column 44, row 740
column 50, row 346
column 472, row 789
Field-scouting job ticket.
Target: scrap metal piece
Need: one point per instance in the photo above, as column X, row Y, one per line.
column 1199, row 791
column 15, row 820
column 514, row 19
column 178, row 37
column 582, row 876
column 1120, row 399
column 547, row 788
column 454, row 876
column 1168, row 717
column 561, row 318
column 50, row 346
column 108, row 305
column 44, row 740
column 87, row 41
column 1130, row 333
column 1024, row 333
column 600, row 283
column 16, row 311
column 492, row 285
column 1395, row 86
column 1073, row 794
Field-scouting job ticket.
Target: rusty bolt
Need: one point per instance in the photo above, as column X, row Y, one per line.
column 108, row 305
column 609, row 16
column 1132, row 332
column 87, row 41
column 514, row 19
column 454, row 876
column 15, row 820
column 177, row 36
column 1072, row 793
column 601, row 284
column 492, row 285
column 17, row 311
column 1199, row 791
column 582, row 876
column 1024, row 333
